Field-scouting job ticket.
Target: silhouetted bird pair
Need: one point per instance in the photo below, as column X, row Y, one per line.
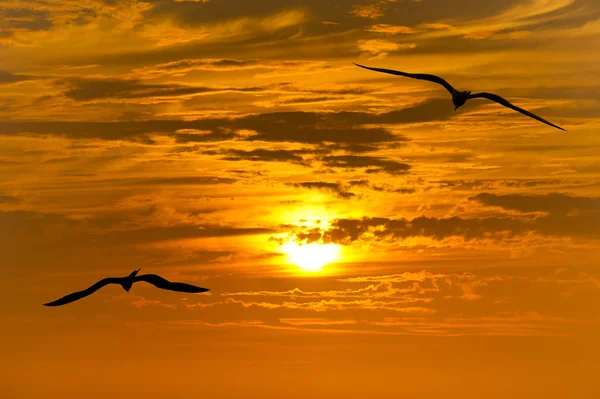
column 458, row 98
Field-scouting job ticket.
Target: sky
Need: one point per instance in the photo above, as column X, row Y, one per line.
column 359, row 237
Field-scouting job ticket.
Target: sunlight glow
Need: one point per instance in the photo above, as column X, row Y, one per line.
column 313, row 256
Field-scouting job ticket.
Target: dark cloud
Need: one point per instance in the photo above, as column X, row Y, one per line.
column 210, row 64
column 112, row 240
column 343, row 128
column 351, row 147
column 435, row 109
column 307, row 100
column 567, row 216
column 8, row 77
column 183, row 180
column 311, row 127
column 246, row 172
column 93, row 89
column 311, row 39
column 9, row 199
column 27, row 19
column 367, row 184
column 142, row 181
column 375, row 164
column 553, row 203
column 346, row 231
column 123, row 130
column 62, row 235
column 224, row 63
column 407, row 13
column 336, row 188
column 265, row 155
column 217, row 134
column 359, row 183
column 490, row 184
column 405, row 190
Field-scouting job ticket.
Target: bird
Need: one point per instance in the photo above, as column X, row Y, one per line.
column 126, row 283
column 459, row 98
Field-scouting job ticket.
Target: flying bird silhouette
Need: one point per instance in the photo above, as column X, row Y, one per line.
column 126, row 283
column 461, row 97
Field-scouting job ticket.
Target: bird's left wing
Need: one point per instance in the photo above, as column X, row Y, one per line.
column 82, row 294
column 160, row 282
column 506, row 103
column 420, row 76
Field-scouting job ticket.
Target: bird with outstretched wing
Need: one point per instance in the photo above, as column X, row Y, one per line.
column 459, row 98
column 126, row 283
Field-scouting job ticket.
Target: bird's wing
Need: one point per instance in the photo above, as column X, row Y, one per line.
column 420, row 76
column 82, row 294
column 160, row 282
column 506, row 103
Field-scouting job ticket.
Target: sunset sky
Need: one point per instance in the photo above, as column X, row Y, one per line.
column 360, row 239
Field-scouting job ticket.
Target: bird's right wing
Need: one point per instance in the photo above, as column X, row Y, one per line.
column 420, row 76
column 508, row 104
column 160, row 282
column 82, row 294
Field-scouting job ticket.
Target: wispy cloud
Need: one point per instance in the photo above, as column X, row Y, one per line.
column 508, row 24
column 391, row 29
column 381, row 48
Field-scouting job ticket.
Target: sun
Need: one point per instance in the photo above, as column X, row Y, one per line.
column 313, row 256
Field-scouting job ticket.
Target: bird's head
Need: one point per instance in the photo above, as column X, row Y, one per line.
column 130, row 280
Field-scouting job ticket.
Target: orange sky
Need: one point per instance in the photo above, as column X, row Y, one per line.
column 223, row 143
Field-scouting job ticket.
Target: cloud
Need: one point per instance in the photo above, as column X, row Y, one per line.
column 337, row 305
column 508, row 24
column 368, row 11
column 176, row 180
column 184, row 66
column 342, row 128
column 261, row 154
column 492, row 184
column 375, row 164
column 174, row 23
column 92, row 89
column 384, row 289
column 397, row 278
column 185, row 136
column 554, row 203
column 140, row 181
column 9, row 199
column 346, row 231
column 367, row 184
column 313, row 128
column 60, row 235
column 336, row 188
column 391, row 29
column 383, row 47
column 502, row 325
column 8, row 77
column 304, row 321
column 442, row 26
column 29, row 22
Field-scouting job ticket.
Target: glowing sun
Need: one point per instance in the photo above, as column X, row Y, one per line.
column 311, row 256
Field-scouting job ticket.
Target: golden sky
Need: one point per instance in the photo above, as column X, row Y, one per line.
column 359, row 237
